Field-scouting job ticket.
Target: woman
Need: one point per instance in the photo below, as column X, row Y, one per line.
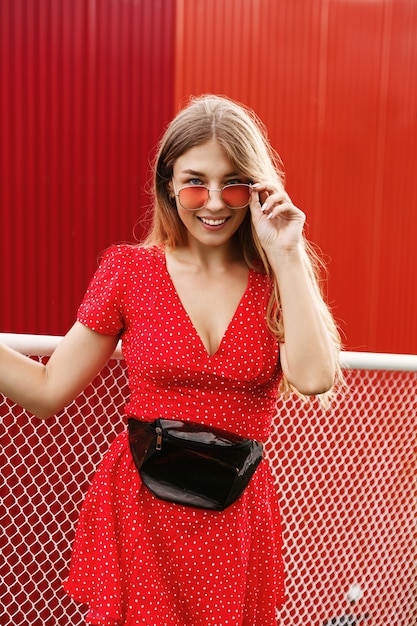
column 218, row 309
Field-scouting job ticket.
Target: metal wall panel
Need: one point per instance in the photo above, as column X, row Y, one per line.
column 86, row 87
column 335, row 81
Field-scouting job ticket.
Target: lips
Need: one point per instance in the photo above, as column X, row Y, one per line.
column 213, row 222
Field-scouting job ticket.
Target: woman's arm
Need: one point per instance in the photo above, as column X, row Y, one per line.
column 46, row 389
column 308, row 353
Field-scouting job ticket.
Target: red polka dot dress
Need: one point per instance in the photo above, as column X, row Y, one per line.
column 136, row 559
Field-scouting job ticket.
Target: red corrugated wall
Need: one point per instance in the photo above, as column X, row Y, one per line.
column 335, row 81
column 86, row 87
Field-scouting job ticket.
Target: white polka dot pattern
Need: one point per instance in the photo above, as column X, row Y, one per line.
column 138, row 560
column 171, row 374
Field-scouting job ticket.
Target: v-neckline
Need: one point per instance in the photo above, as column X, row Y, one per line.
column 190, row 321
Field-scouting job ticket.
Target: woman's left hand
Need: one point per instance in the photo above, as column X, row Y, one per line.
column 278, row 223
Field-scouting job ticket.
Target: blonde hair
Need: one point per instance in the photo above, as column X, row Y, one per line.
column 244, row 140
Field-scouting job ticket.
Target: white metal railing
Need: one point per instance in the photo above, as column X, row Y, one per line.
column 44, row 345
column 39, row 345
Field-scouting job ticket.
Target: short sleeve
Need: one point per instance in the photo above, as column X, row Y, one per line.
column 102, row 306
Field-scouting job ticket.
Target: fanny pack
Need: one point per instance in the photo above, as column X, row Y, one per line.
column 193, row 464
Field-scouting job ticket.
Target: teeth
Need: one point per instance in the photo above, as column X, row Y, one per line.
column 212, row 222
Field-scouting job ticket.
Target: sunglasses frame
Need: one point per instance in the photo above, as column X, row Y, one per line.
column 177, row 195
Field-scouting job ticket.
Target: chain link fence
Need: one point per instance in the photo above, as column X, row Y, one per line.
column 346, row 476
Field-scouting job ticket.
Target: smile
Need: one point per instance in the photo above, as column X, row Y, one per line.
column 210, row 222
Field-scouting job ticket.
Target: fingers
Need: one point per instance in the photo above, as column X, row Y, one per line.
column 273, row 201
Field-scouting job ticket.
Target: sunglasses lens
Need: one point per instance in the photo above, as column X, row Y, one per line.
column 193, row 198
column 196, row 197
column 236, row 196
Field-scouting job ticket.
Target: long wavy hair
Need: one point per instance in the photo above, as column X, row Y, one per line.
column 243, row 137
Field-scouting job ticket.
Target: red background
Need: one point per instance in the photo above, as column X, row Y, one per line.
column 88, row 87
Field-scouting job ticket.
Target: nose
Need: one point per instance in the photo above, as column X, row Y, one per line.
column 215, row 201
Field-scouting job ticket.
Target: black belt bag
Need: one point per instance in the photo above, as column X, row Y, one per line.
column 192, row 464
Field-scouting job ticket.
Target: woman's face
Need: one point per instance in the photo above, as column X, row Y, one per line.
column 208, row 166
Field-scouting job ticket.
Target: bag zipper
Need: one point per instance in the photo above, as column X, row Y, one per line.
column 158, row 445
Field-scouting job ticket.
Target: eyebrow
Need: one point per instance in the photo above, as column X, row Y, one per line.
column 196, row 173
